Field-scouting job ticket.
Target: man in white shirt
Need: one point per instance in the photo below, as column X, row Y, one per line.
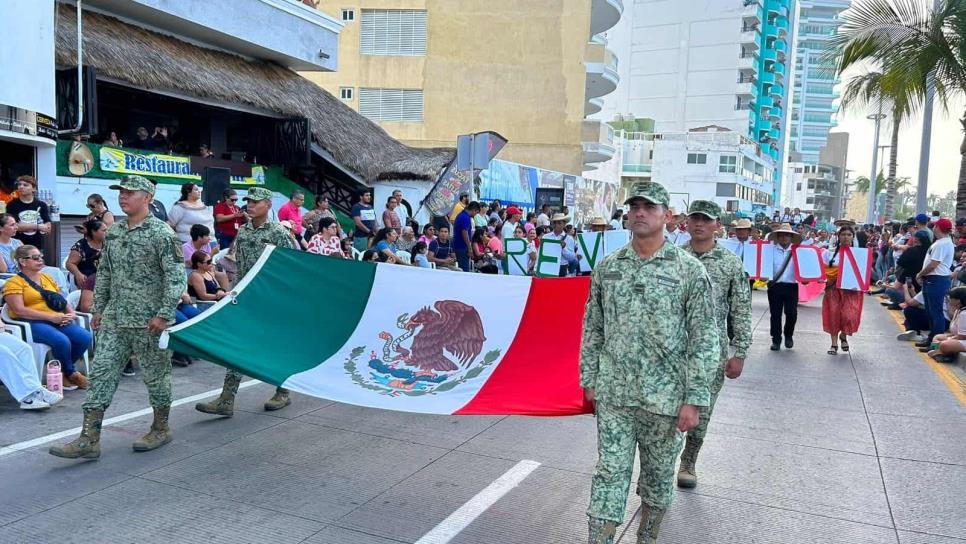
column 783, row 287
column 513, row 216
column 568, row 254
column 935, row 277
column 673, row 233
column 401, row 210
column 543, row 220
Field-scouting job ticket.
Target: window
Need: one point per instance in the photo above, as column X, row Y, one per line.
column 348, row 15
column 650, row 154
column 394, row 32
column 345, row 93
column 728, row 164
column 725, row 189
column 798, row 186
column 697, row 158
column 391, row 104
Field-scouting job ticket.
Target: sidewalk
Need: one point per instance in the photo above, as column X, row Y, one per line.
column 866, row 447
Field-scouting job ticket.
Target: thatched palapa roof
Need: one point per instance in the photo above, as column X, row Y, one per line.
column 154, row 61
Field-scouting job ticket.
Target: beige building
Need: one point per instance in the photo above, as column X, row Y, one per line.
column 531, row 70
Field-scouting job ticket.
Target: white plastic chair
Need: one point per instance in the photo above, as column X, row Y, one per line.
column 405, row 257
column 356, row 254
column 59, row 276
column 73, row 298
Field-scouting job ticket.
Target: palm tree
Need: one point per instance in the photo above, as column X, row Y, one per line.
column 862, row 183
column 908, row 42
column 881, row 89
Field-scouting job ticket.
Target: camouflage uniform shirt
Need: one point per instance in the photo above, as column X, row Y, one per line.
column 650, row 339
column 251, row 241
column 129, row 291
column 731, row 296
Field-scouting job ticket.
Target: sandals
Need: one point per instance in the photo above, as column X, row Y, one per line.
column 833, row 350
column 844, row 342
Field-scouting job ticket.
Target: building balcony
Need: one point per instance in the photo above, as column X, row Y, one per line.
column 242, row 33
column 602, row 76
column 748, row 37
column 766, row 77
column 775, row 134
column 593, row 105
column 636, row 168
column 764, row 101
column 777, row 91
column 752, row 10
column 748, row 63
column 604, row 14
column 747, row 89
column 780, row 46
column 597, row 141
column 769, row 55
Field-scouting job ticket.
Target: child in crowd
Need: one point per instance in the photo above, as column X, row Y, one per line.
column 419, row 255
column 954, row 342
column 371, row 256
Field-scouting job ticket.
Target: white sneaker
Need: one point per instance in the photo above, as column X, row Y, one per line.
column 909, row 336
column 35, row 401
column 50, row 397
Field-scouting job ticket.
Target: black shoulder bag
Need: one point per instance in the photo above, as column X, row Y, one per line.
column 54, row 300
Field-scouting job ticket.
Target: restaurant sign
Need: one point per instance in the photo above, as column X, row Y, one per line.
column 121, row 161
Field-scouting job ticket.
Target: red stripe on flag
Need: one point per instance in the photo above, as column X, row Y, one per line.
column 540, row 373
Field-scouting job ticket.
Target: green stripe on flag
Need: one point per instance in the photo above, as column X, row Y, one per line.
column 294, row 313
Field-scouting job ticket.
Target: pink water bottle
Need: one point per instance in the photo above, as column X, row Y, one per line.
column 55, row 379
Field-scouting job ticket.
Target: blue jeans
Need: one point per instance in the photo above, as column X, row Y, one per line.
column 185, row 312
column 224, row 240
column 895, row 296
column 68, row 343
column 934, row 289
column 463, row 259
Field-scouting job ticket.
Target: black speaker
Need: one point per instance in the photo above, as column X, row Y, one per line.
column 215, row 181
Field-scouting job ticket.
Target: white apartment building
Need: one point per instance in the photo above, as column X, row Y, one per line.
column 710, row 163
column 711, row 63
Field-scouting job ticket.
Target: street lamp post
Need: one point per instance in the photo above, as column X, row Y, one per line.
column 873, row 178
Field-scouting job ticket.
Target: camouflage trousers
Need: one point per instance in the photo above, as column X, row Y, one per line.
column 704, row 414
column 115, row 346
column 621, row 431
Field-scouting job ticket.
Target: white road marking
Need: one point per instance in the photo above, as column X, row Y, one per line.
column 464, row 515
column 20, row 446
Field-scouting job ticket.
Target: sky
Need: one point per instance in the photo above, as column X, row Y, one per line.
column 944, row 155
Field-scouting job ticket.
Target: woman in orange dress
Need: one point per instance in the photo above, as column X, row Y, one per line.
column 841, row 308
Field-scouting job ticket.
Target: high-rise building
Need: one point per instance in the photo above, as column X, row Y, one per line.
column 814, row 99
column 430, row 70
column 818, row 187
column 723, row 65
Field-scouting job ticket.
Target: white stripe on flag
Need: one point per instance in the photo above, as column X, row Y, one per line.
column 466, row 514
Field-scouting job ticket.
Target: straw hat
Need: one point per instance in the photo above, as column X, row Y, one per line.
column 742, row 223
column 840, row 222
column 80, row 160
column 597, row 222
column 558, row 217
column 785, row 228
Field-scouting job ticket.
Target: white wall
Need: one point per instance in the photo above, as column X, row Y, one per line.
column 27, row 55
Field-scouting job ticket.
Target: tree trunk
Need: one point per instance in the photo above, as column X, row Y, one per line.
column 893, row 162
column 961, row 185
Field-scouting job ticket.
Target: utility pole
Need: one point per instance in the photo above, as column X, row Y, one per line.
column 926, row 137
column 873, row 177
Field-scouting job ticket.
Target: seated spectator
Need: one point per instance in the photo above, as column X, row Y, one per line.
column 407, row 240
column 19, row 374
column 484, row 260
column 327, row 242
column 8, row 244
column 86, row 301
column 113, row 141
column 54, row 327
column 86, row 252
column 429, row 234
column 954, row 341
column 183, row 312
column 914, row 312
column 98, row 207
column 441, row 251
column 346, row 244
column 385, row 244
column 419, row 255
column 371, row 256
column 200, row 241
column 202, row 284
column 294, row 241
column 495, row 244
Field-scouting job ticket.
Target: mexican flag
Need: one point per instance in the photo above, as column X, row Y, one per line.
column 399, row 337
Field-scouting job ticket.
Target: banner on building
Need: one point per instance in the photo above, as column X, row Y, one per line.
column 121, row 161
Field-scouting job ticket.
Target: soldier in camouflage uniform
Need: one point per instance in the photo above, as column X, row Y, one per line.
column 732, row 302
column 650, row 346
column 252, row 238
column 140, row 280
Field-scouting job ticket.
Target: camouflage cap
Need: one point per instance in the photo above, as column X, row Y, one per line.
column 258, row 193
column 134, row 183
column 706, row 208
column 655, row 193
